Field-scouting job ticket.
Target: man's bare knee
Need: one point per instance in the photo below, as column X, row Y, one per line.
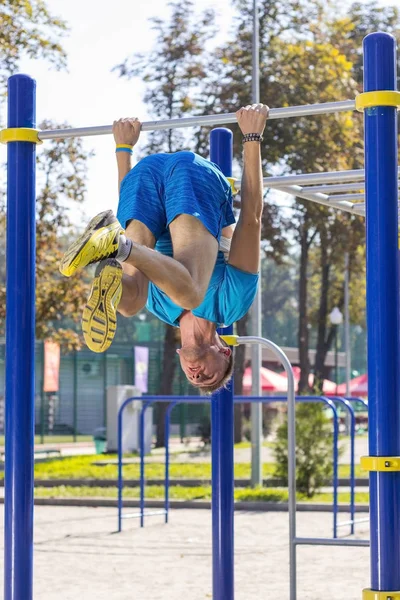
column 134, row 291
column 128, row 311
column 130, row 306
column 192, row 298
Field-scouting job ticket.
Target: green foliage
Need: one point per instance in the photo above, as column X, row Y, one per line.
column 314, row 464
column 61, row 176
column 279, row 284
column 173, row 70
column 362, row 18
column 29, row 29
column 101, row 467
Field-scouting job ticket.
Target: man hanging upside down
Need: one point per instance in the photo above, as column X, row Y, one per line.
column 163, row 250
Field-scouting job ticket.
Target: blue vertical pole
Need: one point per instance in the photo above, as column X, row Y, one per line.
column 120, row 474
column 382, row 310
column 20, row 344
column 221, row 141
column 142, row 466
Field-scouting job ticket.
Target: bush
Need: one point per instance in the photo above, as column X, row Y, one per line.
column 314, row 463
column 269, row 414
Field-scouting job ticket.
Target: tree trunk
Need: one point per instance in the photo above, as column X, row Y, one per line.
column 303, row 319
column 166, row 383
column 240, row 365
column 322, row 347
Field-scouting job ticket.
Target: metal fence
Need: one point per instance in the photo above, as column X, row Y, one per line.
column 79, row 407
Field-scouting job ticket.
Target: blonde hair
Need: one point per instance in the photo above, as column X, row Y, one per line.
column 208, row 390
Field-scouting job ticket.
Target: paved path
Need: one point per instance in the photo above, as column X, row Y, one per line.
column 78, row 556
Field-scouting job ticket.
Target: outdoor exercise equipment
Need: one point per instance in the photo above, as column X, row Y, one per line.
column 379, row 103
column 174, row 401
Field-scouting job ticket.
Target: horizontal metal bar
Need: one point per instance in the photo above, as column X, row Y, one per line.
column 203, row 121
column 335, row 188
column 296, row 190
column 346, row 197
column 306, row 179
column 311, row 178
column 359, row 209
column 145, row 514
column 353, row 522
column 329, row 542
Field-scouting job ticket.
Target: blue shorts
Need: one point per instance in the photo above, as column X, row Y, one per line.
column 162, row 186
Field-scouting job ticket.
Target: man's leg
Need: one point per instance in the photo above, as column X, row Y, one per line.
column 195, row 248
column 184, row 278
column 134, row 283
column 115, row 288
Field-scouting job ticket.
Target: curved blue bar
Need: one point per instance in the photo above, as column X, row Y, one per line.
column 383, row 325
column 166, row 478
column 347, row 404
column 142, row 475
column 20, row 344
column 221, row 144
column 120, row 482
column 149, row 400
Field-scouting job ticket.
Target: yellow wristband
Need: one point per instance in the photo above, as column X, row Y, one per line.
column 124, row 146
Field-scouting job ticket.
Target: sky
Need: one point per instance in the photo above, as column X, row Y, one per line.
column 101, row 36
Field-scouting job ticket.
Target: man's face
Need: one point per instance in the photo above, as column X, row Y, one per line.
column 204, row 365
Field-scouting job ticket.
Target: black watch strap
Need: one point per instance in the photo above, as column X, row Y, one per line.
column 252, row 137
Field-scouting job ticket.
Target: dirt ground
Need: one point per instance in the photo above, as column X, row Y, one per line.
column 78, row 555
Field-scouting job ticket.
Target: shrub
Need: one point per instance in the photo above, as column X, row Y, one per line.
column 314, row 464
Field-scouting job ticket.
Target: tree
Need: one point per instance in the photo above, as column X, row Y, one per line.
column 332, row 237
column 348, row 32
column 279, row 299
column 173, row 72
column 29, row 29
column 317, row 72
column 314, row 463
column 61, row 166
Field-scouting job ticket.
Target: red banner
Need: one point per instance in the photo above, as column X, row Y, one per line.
column 51, row 366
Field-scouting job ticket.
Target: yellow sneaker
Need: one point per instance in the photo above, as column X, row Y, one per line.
column 98, row 241
column 99, row 319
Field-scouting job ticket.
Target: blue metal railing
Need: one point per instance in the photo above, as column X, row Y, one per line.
column 174, row 401
column 147, row 400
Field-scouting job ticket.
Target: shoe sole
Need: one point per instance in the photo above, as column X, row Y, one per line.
column 81, row 252
column 99, row 318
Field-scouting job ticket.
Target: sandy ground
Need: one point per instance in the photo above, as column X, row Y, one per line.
column 77, row 556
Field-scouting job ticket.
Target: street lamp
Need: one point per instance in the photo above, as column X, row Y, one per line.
column 336, row 318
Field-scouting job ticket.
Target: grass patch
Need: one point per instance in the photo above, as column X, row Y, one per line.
column 82, row 467
column 56, row 439
column 177, row 492
column 245, row 445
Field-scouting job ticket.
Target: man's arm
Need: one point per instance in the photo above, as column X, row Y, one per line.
column 245, row 246
column 126, row 131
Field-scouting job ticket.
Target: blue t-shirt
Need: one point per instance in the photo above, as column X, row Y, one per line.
column 228, row 298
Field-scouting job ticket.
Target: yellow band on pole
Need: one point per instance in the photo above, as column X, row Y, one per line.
column 232, row 182
column 380, row 463
column 380, row 98
column 374, row 595
column 231, row 340
column 20, row 134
